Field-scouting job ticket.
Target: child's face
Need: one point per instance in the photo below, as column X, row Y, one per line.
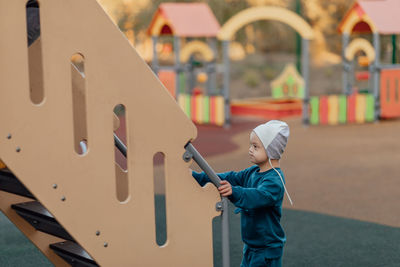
column 256, row 151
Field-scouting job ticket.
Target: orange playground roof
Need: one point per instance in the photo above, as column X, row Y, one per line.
column 384, row 15
column 184, row 20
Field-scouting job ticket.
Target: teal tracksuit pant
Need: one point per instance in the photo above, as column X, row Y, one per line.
column 256, row 258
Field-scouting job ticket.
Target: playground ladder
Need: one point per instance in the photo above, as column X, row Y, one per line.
column 42, row 220
column 76, row 196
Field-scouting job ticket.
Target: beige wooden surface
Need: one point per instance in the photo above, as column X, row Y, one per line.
column 115, row 74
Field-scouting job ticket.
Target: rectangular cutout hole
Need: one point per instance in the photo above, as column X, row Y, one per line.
column 159, row 198
column 79, row 93
column 36, row 89
column 121, row 162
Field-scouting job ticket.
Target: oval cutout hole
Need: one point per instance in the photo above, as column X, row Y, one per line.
column 36, row 89
column 121, row 162
column 79, row 94
column 160, row 198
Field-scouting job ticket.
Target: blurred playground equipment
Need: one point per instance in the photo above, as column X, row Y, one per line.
column 62, row 186
column 355, row 105
column 185, row 20
column 192, row 79
column 381, row 98
column 340, row 109
column 250, row 15
column 286, row 101
column 382, row 95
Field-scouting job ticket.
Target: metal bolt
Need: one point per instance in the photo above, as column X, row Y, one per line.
column 63, row 198
column 97, row 233
column 187, row 156
column 55, row 186
column 105, row 244
column 18, row 149
column 9, row 136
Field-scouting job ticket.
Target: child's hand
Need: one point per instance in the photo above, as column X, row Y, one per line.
column 225, row 188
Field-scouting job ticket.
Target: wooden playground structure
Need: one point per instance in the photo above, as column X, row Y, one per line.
column 78, row 206
column 60, row 183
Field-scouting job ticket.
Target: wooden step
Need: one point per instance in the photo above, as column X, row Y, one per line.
column 73, row 253
column 41, row 219
column 9, row 183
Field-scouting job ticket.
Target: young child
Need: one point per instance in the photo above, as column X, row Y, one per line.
column 257, row 192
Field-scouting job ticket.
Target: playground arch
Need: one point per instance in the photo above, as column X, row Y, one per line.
column 254, row 14
column 360, row 44
column 196, row 47
column 161, row 26
column 353, row 20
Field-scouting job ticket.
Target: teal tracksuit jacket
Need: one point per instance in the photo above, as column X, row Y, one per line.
column 258, row 196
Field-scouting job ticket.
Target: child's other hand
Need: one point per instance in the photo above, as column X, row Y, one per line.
column 225, row 189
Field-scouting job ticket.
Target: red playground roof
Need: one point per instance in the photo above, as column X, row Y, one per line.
column 384, row 14
column 184, row 20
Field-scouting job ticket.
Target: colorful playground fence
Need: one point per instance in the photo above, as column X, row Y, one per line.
column 341, row 109
column 203, row 109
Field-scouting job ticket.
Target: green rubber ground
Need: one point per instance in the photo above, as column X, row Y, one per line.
column 321, row 241
column 312, row 240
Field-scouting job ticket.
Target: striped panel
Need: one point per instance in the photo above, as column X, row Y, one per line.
column 323, row 110
column 219, row 108
column 193, row 108
column 206, row 109
column 360, row 108
column 188, row 105
column 342, row 109
column 182, row 82
column 314, row 105
column 213, row 110
column 181, row 102
column 333, row 109
column 370, row 108
column 351, row 108
column 199, row 109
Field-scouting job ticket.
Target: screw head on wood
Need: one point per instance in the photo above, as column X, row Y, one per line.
column 105, row 244
column 63, row 198
column 97, row 233
column 55, row 186
column 18, row 149
column 9, row 136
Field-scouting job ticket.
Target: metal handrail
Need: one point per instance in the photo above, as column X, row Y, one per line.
column 192, row 153
column 120, row 145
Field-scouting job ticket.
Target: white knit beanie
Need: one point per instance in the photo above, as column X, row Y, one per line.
column 274, row 136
